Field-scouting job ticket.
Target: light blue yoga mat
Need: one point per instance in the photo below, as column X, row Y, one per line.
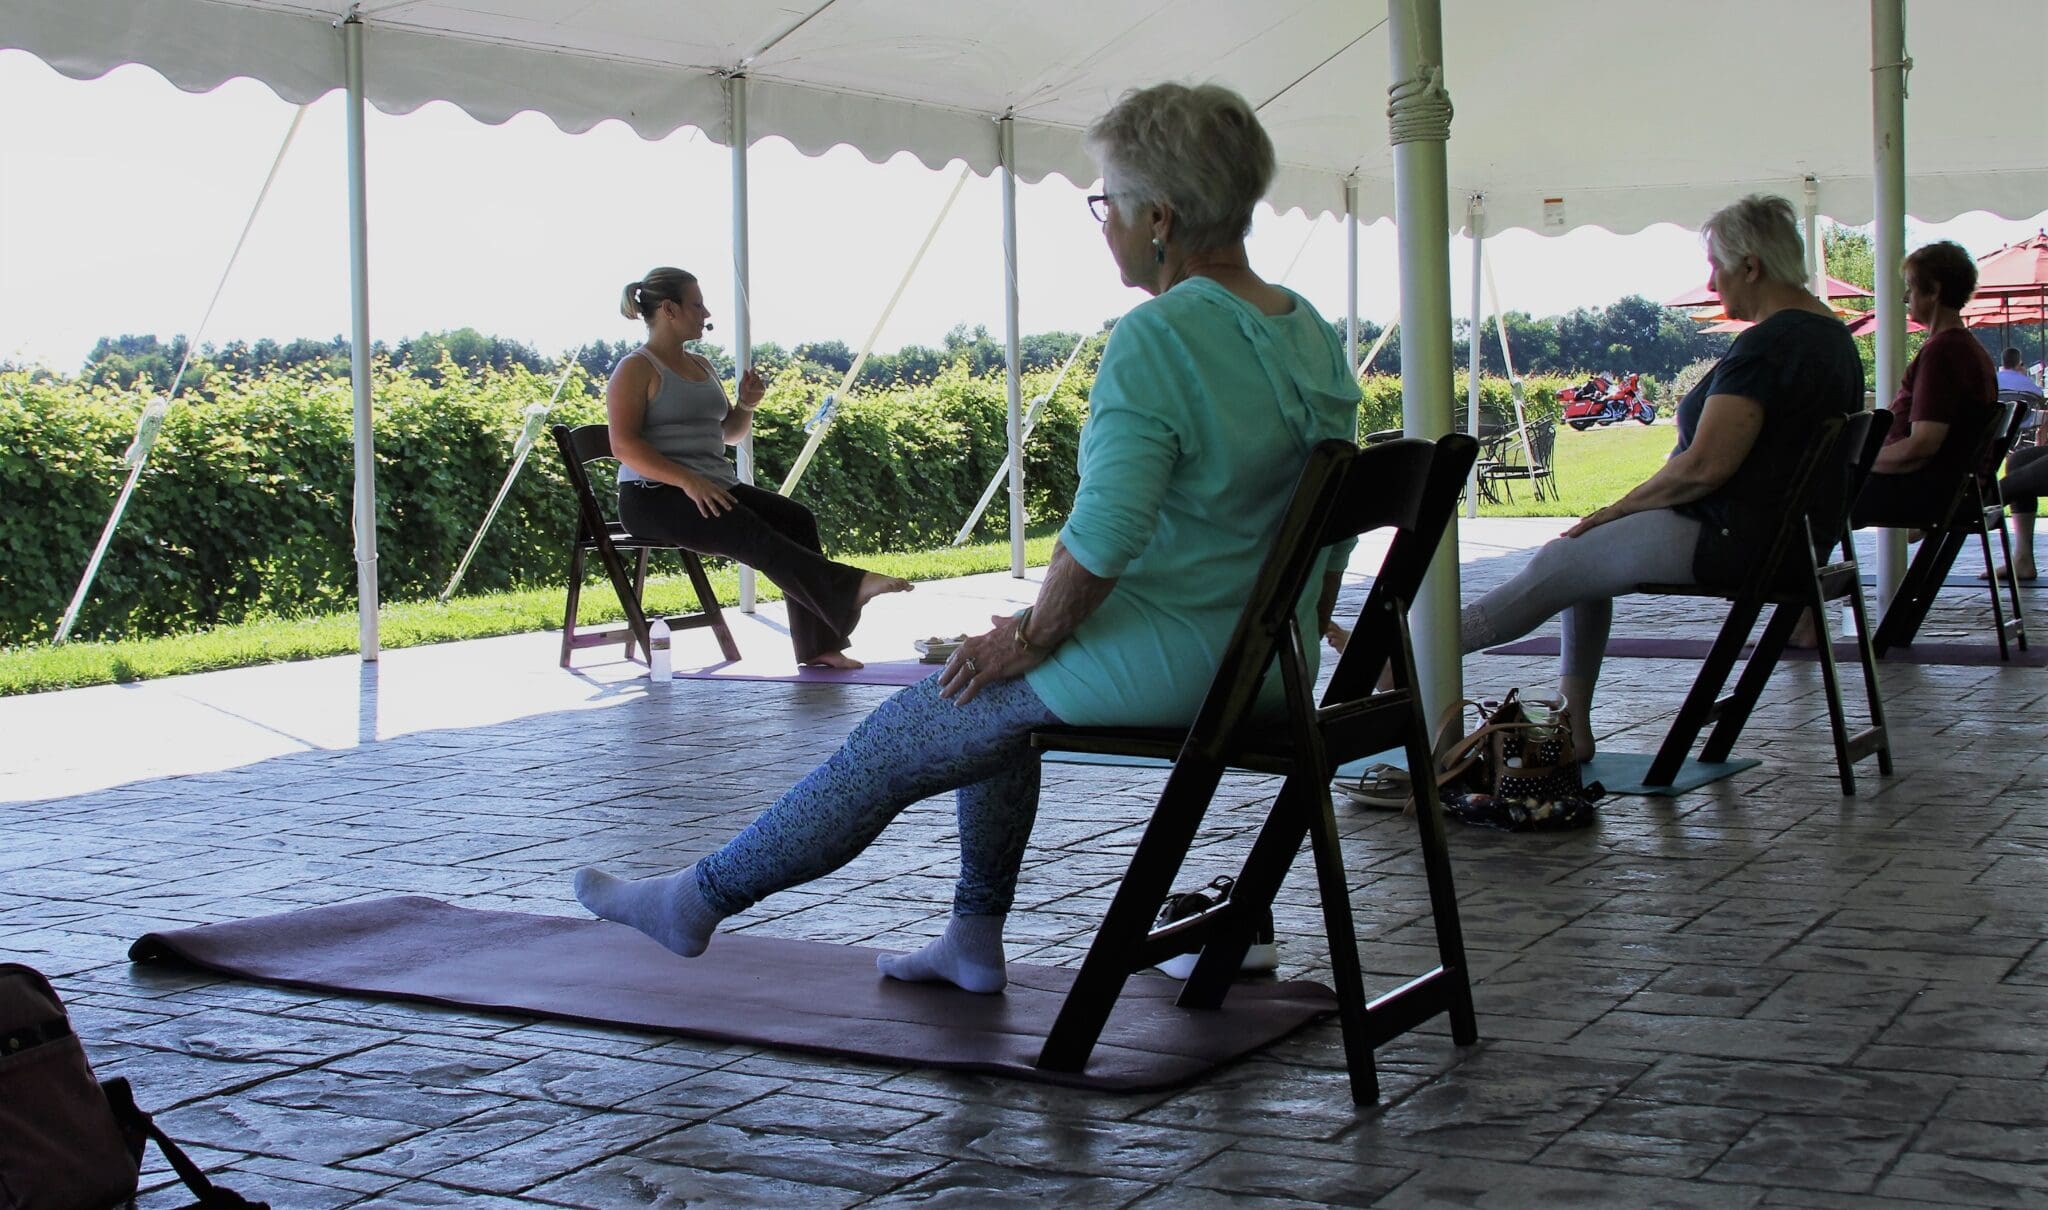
column 1617, row 772
column 1623, row 773
column 1395, row 758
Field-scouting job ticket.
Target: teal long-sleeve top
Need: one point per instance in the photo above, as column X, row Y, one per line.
column 1202, row 414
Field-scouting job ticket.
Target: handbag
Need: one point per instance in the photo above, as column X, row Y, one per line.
column 66, row 1140
column 1518, row 770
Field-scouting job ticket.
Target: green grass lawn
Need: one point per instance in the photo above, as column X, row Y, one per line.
column 1594, row 468
column 412, row 624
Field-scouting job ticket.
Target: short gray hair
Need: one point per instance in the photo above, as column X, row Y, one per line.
column 1197, row 149
column 1762, row 226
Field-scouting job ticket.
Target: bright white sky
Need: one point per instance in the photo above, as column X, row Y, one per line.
column 121, row 199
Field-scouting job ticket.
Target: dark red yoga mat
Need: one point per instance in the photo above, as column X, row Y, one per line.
column 770, row 991
column 881, row 672
column 1962, row 654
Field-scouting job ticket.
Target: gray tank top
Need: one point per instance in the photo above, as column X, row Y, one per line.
column 683, row 422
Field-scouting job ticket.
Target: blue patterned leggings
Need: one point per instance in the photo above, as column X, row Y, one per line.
column 915, row 745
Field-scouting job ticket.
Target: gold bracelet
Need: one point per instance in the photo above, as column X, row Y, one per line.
column 1017, row 635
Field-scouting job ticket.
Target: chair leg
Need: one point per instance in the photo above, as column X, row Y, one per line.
column 1838, row 719
column 2012, row 587
column 1452, row 966
column 1111, row 958
column 1749, row 687
column 707, row 601
column 1908, row 609
column 1872, row 695
column 639, row 595
column 1698, row 706
column 575, row 595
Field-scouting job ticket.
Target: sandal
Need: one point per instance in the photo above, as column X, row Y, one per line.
column 1380, row 787
column 1262, row 957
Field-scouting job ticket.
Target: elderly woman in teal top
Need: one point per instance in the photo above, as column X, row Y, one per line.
column 1207, row 401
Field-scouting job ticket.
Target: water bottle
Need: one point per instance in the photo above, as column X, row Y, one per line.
column 659, row 669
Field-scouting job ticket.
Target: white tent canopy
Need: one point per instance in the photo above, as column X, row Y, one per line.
column 1618, row 113
column 1613, row 113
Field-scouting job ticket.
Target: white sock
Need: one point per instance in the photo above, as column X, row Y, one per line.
column 968, row 955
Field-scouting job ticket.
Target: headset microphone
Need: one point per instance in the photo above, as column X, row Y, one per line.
column 708, row 325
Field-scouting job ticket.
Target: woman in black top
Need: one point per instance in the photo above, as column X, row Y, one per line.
column 1741, row 431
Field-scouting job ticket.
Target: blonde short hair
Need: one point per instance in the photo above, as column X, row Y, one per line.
column 1762, row 226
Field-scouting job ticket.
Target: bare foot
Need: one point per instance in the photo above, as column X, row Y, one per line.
column 873, row 584
column 834, row 659
column 2003, row 573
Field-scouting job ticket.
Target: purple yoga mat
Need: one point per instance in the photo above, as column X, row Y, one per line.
column 768, row 991
column 881, row 672
column 1963, row 654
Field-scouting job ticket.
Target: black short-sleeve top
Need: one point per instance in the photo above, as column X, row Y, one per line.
column 1801, row 367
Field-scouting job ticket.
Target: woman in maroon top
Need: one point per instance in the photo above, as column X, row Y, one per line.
column 1944, row 401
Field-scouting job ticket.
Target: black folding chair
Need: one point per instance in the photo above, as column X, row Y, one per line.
column 1411, row 487
column 1790, row 579
column 598, row 531
column 1974, row 510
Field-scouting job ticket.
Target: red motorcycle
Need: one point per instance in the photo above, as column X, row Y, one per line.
column 1601, row 401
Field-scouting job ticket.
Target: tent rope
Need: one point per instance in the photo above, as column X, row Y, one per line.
column 1419, row 110
column 821, row 423
column 1038, row 403
column 151, row 422
column 536, row 418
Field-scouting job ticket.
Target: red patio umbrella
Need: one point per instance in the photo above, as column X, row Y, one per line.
column 2012, row 287
column 1701, row 296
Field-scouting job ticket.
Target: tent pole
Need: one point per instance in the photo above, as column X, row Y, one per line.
column 1351, row 272
column 1419, row 124
column 1013, row 382
column 742, row 299
column 359, row 344
column 1888, row 68
column 1476, row 220
column 1816, row 257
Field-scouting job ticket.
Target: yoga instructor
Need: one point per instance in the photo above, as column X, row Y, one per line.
column 1208, row 399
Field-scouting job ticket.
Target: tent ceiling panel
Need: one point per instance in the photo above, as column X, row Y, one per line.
column 1615, row 113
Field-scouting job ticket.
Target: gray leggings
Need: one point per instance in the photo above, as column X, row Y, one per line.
column 1580, row 577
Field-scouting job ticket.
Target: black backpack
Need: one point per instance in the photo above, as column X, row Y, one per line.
column 67, row 1140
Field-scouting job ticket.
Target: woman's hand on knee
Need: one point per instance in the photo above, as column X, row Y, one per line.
column 985, row 660
column 710, row 499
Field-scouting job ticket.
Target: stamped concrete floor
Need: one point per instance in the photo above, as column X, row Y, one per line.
column 1757, row 994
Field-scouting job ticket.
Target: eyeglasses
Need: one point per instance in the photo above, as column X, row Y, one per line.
column 1098, row 205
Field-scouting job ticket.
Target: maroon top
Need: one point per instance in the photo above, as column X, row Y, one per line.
column 1949, row 381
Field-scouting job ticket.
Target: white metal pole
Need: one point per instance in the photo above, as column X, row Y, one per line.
column 1816, row 256
column 1006, row 154
column 1419, row 119
column 359, row 345
column 1888, row 67
column 1351, row 273
column 742, row 299
column 1476, row 221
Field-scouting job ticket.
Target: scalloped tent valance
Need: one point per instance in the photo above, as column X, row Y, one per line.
column 1612, row 113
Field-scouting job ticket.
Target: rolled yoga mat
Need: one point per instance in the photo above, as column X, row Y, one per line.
column 767, row 991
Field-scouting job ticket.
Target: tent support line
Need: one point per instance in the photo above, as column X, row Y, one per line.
column 1030, row 423
column 150, row 423
column 1372, row 354
column 1507, row 361
column 742, row 294
column 536, row 416
column 824, row 425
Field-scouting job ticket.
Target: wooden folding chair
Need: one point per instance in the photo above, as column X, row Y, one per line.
column 1412, row 487
column 1791, row 579
column 596, row 530
column 1974, row 510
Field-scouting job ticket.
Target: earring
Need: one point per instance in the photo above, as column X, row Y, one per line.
column 1158, row 251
